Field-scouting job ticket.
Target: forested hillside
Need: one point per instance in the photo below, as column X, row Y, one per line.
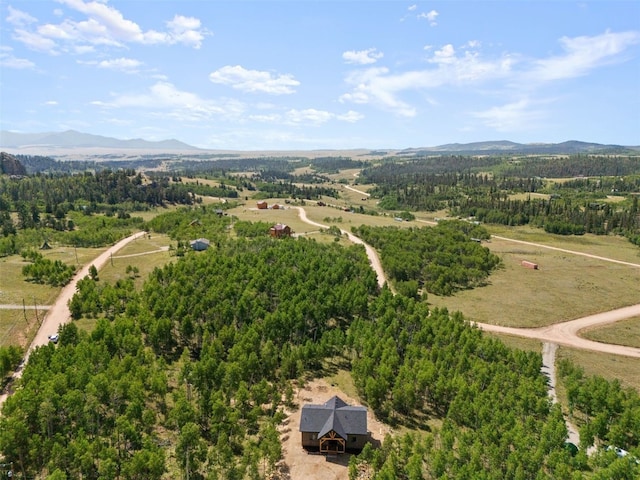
column 189, row 376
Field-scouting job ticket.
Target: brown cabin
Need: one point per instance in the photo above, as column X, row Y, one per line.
column 280, row 230
column 531, row 265
column 262, row 205
column 334, row 427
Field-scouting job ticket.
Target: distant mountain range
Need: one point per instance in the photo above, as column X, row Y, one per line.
column 74, row 139
column 505, row 146
column 71, row 139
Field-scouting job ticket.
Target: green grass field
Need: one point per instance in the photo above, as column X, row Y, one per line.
column 565, row 287
column 144, row 253
column 18, row 326
column 625, row 332
column 608, row 246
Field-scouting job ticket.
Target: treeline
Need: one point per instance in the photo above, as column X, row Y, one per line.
column 238, row 164
column 441, row 260
column 53, row 192
column 290, row 189
column 429, row 164
column 35, row 164
column 334, row 164
column 431, row 192
column 573, row 166
column 556, row 215
column 608, row 414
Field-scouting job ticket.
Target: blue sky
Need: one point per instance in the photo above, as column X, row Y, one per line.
column 249, row 75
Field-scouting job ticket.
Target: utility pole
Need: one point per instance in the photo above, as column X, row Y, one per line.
column 24, row 312
column 36, row 307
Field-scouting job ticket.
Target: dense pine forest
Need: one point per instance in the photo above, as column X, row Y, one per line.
column 191, row 374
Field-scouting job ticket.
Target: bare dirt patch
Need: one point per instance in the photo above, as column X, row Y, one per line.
column 302, row 465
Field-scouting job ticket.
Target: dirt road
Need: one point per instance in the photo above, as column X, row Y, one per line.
column 573, row 252
column 59, row 313
column 566, row 333
column 371, row 253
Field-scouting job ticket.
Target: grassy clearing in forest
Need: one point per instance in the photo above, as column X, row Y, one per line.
column 625, row 332
column 18, row 326
column 144, row 253
column 607, row 246
column 520, row 343
column 14, row 288
column 565, row 287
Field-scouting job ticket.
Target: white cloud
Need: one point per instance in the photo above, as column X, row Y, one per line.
column 430, row 17
column 124, row 64
column 308, row 116
column 35, row 41
column 351, row 116
column 317, row 117
column 18, row 17
column 412, row 7
column 164, row 99
column 381, row 88
column 254, row 81
column 104, row 25
column 186, row 30
column 446, row 54
column 51, row 103
column 7, row 60
column 362, row 57
column 583, row 54
column 515, row 116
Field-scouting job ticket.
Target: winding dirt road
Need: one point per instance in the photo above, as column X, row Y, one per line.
column 565, row 333
column 371, row 253
column 58, row 313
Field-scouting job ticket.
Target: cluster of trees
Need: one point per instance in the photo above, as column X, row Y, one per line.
column 43, row 270
column 334, row 164
column 555, row 215
column 94, row 299
column 188, row 223
column 43, row 164
column 10, row 357
column 293, row 190
column 558, row 166
column 62, row 208
column 608, row 413
column 412, row 365
column 441, row 260
column 235, row 163
column 431, row 191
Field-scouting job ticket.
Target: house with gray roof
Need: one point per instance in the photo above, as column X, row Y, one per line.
column 334, row 427
column 199, row 244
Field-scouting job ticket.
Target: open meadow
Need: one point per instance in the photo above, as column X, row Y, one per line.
column 624, row 332
column 565, row 287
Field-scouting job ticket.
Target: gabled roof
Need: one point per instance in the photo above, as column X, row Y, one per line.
column 200, row 240
column 334, row 415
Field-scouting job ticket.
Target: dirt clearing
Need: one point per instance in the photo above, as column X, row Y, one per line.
column 314, row 466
